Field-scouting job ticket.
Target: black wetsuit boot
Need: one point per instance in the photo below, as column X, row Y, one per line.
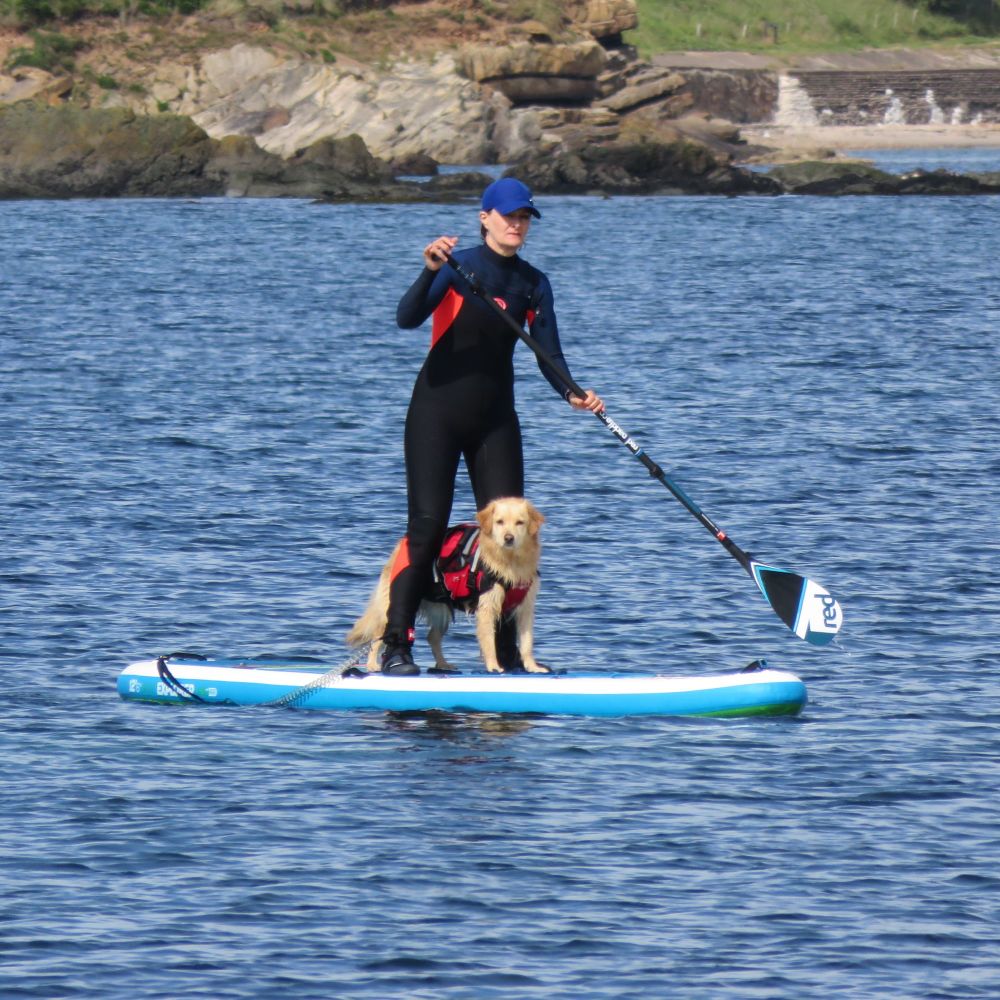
column 397, row 656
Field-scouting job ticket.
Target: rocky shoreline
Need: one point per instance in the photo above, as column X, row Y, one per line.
column 577, row 113
column 65, row 152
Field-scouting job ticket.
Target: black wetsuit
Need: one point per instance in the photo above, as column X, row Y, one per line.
column 463, row 403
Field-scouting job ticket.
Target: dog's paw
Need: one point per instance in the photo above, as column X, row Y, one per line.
column 537, row 668
column 494, row 668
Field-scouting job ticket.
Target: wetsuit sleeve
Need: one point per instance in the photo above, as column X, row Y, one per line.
column 422, row 298
column 543, row 327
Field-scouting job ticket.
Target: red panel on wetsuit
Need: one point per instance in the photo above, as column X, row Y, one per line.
column 445, row 315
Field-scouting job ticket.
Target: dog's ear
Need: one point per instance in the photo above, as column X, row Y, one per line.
column 535, row 519
column 485, row 517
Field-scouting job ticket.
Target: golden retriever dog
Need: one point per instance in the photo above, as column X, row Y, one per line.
column 508, row 551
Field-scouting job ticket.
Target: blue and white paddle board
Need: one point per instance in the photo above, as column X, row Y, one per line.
column 178, row 679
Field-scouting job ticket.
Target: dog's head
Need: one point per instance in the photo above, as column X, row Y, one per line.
column 510, row 522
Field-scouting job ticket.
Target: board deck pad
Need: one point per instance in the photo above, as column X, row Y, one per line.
column 223, row 681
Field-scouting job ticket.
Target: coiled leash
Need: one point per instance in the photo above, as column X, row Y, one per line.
column 294, row 699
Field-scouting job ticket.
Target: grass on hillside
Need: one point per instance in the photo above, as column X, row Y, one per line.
column 791, row 26
column 370, row 28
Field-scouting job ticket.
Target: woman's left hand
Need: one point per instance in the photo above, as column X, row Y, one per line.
column 591, row 402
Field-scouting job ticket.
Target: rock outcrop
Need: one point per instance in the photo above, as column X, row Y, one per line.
column 537, row 74
column 112, row 152
column 30, row 83
column 639, row 86
column 287, row 104
column 536, row 90
column 857, row 178
column 329, row 169
column 679, row 167
column 604, row 19
column 491, row 104
column 533, row 88
column 65, row 152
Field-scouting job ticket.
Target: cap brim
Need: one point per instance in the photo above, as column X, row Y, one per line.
column 516, row 207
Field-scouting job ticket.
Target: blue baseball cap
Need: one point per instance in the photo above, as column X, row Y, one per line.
column 507, row 195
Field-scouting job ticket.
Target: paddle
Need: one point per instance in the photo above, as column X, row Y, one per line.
column 803, row 605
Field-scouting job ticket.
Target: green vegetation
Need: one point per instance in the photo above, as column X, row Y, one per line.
column 779, row 26
column 50, row 51
column 547, row 12
column 810, row 25
column 26, row 13
column 40, row 11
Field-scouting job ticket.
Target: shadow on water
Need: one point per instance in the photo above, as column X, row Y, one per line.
column 459, row 727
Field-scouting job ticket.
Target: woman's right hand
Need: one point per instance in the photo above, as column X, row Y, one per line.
column 436, row 253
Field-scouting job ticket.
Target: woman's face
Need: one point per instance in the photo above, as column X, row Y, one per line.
column 506, row 233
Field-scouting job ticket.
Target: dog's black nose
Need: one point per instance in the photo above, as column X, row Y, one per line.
column 508, row 539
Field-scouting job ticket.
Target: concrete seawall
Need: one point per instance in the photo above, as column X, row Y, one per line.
column 890, row 88
column 929, row 97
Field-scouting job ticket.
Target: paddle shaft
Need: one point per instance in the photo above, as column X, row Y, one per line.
column 623, row 436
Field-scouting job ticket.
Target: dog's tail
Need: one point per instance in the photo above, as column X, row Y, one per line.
column 362, row 631
column 371, row 625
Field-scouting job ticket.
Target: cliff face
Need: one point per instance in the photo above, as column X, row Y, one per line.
column 147, row 60
column 461, row 81
column 450, row 88
column 436, row 78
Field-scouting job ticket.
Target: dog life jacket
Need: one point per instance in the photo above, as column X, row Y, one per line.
column 458, row 577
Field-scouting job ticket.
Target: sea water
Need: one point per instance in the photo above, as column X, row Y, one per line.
column 982, row 159
column 202, row 410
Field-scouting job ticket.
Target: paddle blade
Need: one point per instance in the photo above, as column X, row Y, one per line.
column 803, row 605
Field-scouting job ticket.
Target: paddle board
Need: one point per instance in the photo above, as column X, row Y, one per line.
column 178, row 679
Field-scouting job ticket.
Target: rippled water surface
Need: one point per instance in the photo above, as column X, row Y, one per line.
column 202, row 408
column 964, row 160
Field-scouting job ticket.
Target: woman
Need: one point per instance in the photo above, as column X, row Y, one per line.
column 463, row 400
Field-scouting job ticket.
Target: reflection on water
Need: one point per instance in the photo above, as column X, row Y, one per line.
column 458, row 727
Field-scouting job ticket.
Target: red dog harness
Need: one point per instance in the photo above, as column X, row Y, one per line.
column 458, row 577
